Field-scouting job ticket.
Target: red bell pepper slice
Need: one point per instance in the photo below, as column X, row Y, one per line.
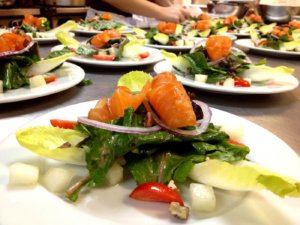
column 66, row 124
column 157, row 192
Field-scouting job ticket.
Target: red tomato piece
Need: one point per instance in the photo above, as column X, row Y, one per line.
column 104, row 57
column 241, row 83
column 156, row 192
column 144, row 55
column 66, row 124
column 231, row 141
column 50, row 78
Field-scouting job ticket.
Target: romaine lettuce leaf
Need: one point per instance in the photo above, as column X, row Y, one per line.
column 262, row 73
column 55, row 143
column 244, row 176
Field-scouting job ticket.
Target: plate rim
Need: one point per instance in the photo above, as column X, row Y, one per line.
column 220, row 89
column 80, row 76
column 156, row 54
column 240, row 43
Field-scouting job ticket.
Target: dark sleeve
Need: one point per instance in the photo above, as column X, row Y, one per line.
column 103, row 6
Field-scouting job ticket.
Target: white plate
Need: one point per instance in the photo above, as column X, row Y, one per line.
column 248, row 45
column 67, row 76
column 283, row 84
column 49, row 39
column 170, row 48
column 154, row 57
column 93, row 32
column 241, row 35
column 112, row 206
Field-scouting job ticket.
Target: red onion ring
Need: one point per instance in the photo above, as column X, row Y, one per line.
column 10, row 53
column 117, row 128
column 186, row 133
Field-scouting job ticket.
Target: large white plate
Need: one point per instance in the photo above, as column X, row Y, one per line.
column 50, row 38
column 248, row 45
column 36, row 206
column 154, row 57
column 282, row 84
column 93, row 32
column 68, row 76
column 170, row 48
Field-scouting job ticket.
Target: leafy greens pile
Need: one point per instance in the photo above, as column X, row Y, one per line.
column 13, row 68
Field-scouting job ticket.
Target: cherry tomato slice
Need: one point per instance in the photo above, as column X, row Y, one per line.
column 156, row 192
column 104, row 57
column 144, row 55
column 50, row 78
column 66, row 124
column 234, row 142
column 241, row 83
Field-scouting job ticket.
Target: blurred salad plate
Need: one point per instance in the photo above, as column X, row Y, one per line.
column 25, row 75
column 109, row 48
column 215, row 65
column 222, row 160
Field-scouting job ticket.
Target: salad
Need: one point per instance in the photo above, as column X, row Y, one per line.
column 100, row 22
column 109, row 45
column 165, row 33
column 284, row 37
column 204, row 25
column 151, row 129
column 21, row 64
column 217, row 62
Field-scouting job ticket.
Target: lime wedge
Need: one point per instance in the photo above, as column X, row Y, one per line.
column 134, row 80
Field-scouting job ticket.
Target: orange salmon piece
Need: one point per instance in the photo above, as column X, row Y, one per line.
column 218, row 47
column 171, row 102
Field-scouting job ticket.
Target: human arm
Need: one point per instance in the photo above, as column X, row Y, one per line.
column 174, row 13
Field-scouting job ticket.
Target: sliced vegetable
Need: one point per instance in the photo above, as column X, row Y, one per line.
column 134, row 80
column 47, row 65
column 65, row 27
column 66, row 124
column 202, row 198
column 67, row 40
column 244, row 176
column 52, row 142
column 57, row 179
column 37, row 81
column 261, row 73
column 21, row 174
column 104, row 57
column 50, row 78
column 157, row 192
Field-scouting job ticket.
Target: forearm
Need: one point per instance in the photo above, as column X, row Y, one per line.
column 140, row 7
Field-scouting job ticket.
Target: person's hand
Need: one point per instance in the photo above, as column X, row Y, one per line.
column 175, row 13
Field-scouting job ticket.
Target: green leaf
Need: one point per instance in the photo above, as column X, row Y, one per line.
column 244, row 176
column 134, row 80
column 52, row 142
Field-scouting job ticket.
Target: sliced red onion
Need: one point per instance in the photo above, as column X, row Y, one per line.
column 201, row 127
column 10, row 53
column 117, row 128
column 212, row 63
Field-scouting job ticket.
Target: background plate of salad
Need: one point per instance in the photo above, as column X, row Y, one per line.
column 68, row 76
column 112, row 206
column 154, row 57
column 281, row 84
column 247, row 44
column 93, row 32
column 45, row 37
